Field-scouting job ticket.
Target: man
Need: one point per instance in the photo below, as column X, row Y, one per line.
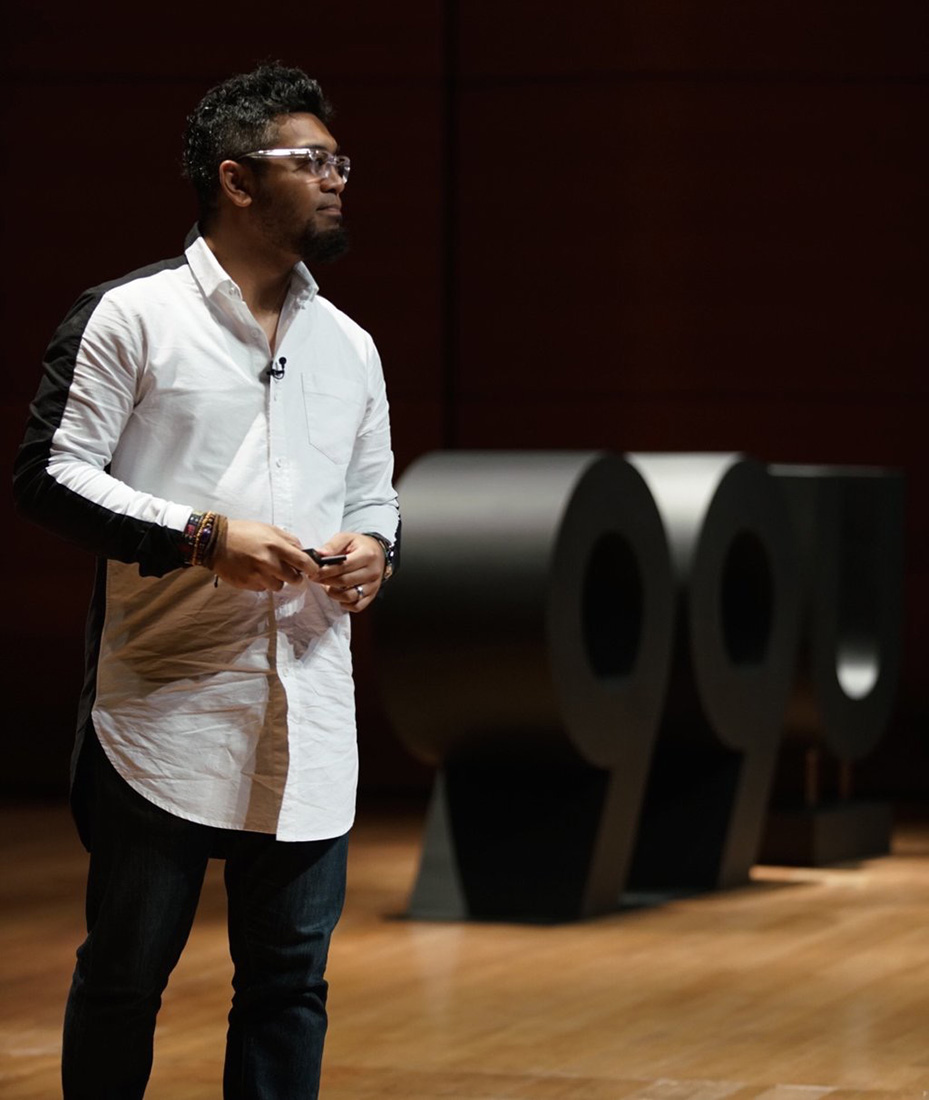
column 201, row 422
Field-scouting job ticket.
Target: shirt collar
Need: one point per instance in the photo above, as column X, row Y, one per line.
column 303, row 286
column 215, row 281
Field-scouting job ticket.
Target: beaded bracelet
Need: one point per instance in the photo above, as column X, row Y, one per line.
column 219, row 537
column 199, row 537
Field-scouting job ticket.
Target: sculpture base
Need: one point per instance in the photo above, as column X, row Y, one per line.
column 833, row 833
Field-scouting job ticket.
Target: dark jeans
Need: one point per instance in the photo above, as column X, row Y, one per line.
column 146, row 872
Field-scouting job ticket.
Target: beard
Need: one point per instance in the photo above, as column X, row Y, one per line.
column 322, row 246
column 282, row 229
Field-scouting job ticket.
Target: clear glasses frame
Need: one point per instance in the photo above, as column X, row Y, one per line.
column 321, row 162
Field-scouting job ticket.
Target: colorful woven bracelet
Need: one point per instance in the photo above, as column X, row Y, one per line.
column 197, row 540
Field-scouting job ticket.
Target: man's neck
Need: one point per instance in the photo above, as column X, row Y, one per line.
column 263, row 278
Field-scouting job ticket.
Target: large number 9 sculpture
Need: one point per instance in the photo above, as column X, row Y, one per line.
column 525, row 647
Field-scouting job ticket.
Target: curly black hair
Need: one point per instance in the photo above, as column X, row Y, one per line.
column 237, row 116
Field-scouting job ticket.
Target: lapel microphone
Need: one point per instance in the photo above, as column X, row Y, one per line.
column 277, row 371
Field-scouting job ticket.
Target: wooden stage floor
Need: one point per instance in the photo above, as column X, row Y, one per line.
column 804, row 984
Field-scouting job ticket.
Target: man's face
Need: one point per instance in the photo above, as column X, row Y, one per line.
column 299, row 213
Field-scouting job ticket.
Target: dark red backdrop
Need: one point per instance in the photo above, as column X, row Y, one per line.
column 661, row 226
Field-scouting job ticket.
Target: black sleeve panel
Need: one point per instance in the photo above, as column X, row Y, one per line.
column 40, row 498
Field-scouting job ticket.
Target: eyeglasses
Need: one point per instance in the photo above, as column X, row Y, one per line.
column 319, row 162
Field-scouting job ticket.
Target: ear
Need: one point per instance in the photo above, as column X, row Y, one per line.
column 236, row 182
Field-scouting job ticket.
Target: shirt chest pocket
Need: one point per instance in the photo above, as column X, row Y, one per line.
column 334, row 408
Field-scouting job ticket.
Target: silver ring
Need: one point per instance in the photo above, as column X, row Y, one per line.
column 360, row 591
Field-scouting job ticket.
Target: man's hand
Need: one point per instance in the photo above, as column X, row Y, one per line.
column 260, row 557
column 355, row 582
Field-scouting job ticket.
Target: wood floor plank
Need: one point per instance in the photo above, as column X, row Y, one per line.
column 805, row 984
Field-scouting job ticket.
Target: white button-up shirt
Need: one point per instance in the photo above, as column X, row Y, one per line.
column 226, row 707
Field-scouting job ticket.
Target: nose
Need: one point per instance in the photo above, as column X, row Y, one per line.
column 332, row 181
